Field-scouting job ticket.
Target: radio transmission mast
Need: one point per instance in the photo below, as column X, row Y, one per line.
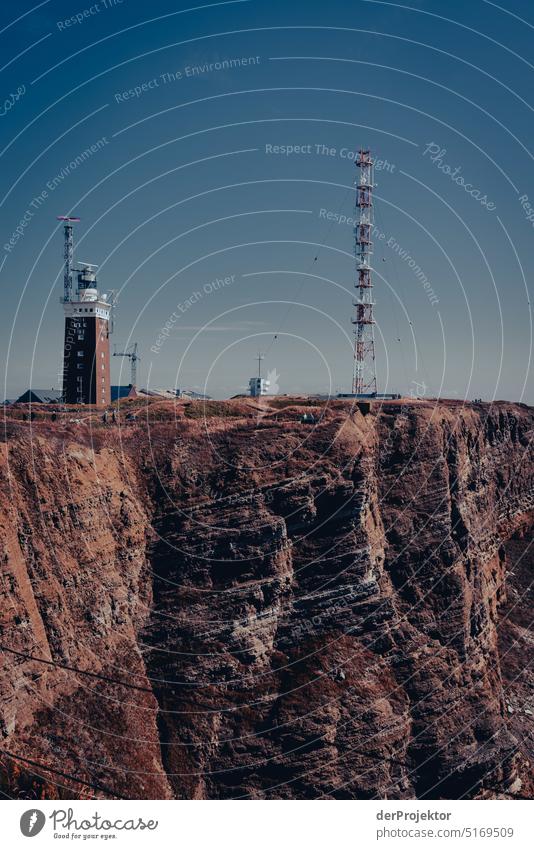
column 364, row 374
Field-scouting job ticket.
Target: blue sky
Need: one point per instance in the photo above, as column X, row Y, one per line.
column 192, row 205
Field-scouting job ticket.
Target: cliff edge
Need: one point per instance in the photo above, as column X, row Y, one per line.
column 222, row 600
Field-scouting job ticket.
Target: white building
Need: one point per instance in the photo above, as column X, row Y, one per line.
column 259, row 386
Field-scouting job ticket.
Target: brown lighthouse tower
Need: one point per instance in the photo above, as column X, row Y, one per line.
column 86, row 360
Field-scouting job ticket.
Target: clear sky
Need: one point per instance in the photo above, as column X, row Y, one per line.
column 204, row 217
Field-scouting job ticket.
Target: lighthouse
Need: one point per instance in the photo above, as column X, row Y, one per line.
column 86, row 358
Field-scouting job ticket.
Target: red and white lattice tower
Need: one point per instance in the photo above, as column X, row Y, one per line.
column 364, row 375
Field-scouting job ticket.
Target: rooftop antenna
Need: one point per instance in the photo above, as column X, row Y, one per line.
column 68, row 221
column 260, row 357
column 133, row 356
column 364, row 373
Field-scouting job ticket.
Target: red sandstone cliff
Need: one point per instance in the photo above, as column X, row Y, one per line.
column 239, row 605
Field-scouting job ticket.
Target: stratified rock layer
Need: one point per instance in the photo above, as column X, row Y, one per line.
column 225, row 602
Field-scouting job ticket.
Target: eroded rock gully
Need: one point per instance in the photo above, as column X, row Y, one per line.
column 299, row 611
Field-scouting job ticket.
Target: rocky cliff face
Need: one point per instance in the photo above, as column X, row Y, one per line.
column 225, row 602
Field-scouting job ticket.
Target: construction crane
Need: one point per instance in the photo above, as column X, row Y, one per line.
column 130, row 352
column 68, row 221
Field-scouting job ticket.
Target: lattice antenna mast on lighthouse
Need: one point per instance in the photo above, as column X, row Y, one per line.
column 364, row 375
column 68, row 221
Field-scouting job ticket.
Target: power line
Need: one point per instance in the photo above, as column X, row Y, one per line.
column 307, row 271
column 75, row 669
column 419, row 357
column 392, row 264
column 100, row 787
